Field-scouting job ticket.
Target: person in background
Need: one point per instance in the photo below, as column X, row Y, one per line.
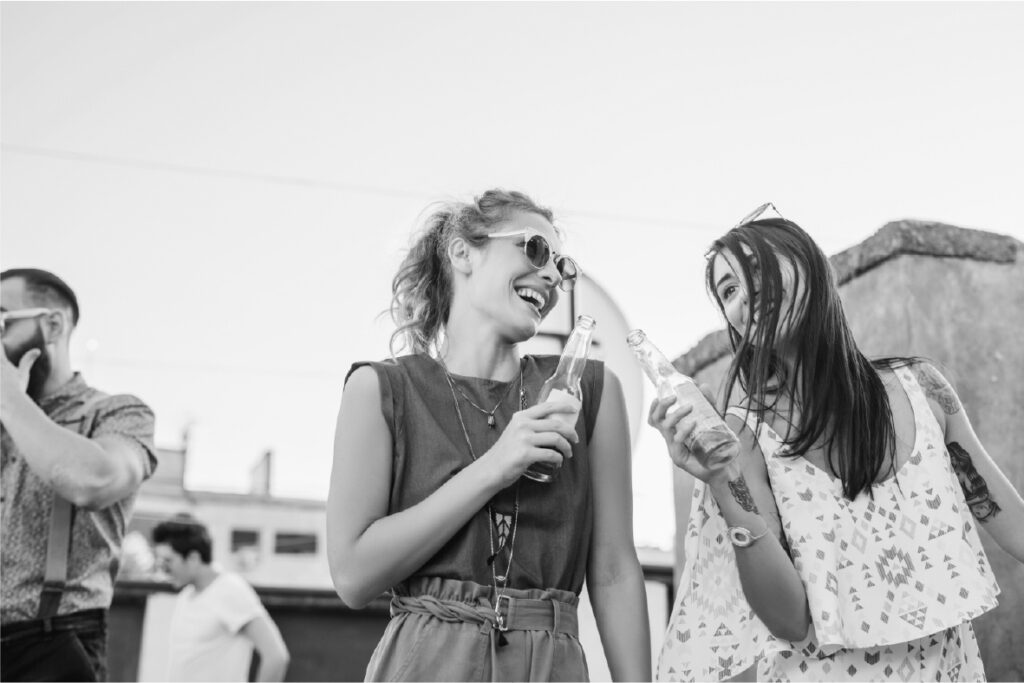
column 218, row 619
column 73, row 459
column 839, row 539
column 427, row 494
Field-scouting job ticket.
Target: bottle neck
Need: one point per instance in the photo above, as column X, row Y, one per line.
column 656, row 366
column 574, row 356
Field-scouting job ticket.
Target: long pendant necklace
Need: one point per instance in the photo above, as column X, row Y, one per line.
column 509, row 538
column 491, row 422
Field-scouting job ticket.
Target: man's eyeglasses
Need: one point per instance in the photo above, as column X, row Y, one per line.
column 7, row 316
column 538, row 253
column 756, row 213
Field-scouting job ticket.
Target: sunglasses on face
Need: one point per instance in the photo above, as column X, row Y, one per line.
column 538, row 253
column 8, row 316
column 756, row 213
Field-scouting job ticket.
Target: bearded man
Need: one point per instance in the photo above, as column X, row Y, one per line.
column 73, row 459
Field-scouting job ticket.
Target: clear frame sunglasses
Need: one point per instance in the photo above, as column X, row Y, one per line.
column 538, row 252
column 756, row 213
column 8, row 316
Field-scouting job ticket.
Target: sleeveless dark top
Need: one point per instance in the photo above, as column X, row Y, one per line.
column 552, row 543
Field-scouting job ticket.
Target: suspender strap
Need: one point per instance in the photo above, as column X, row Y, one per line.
column 58, row 547
column 58, row 544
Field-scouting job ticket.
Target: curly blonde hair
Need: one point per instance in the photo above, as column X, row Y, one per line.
column 421, row 291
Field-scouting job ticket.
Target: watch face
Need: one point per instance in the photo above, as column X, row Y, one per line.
column 740, row 536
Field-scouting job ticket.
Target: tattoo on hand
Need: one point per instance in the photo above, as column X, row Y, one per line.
column 739, row 490
column 975, row 489
column 937, row 388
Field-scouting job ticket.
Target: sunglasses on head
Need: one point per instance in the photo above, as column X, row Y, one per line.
column 7, row 316
column 538, row 253
column 756, row 213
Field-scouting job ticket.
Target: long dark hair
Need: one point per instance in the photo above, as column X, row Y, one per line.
column 421, row 292
column 840, row 395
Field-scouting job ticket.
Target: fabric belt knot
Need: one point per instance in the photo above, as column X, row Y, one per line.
column 511, row 614
column 445, row 610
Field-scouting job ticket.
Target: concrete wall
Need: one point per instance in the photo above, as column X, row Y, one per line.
column 956, row 297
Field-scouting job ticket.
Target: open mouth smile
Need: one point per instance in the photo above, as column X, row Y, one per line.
column 532, row 297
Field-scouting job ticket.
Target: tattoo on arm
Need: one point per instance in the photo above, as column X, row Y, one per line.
column 937, row 388
column 739, row 490
column 975, row 489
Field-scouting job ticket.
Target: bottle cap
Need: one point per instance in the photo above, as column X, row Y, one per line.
column 635, row 337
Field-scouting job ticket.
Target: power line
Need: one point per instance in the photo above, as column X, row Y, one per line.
column 315, row 183
column 170, row 366
column 298, row 181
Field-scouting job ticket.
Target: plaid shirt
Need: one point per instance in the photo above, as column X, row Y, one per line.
column 95, row 535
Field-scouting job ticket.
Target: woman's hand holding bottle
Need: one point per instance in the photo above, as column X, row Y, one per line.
column 676, row 426
column 532, row 435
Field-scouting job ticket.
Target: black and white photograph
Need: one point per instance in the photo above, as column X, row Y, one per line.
column 512, row 341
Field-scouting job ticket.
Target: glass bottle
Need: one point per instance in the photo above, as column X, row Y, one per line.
column 564, row 385
column 710, row 433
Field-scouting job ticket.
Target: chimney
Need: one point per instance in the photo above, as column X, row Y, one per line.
column 259, row 475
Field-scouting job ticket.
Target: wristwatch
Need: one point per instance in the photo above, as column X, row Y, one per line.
column 741, row 537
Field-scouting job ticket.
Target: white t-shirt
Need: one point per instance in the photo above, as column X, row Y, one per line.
column 205, row 643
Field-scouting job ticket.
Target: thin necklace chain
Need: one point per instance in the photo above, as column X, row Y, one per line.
column 510, row 540
column 491, row 422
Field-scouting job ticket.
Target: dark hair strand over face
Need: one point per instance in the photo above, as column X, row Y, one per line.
column 838, row 393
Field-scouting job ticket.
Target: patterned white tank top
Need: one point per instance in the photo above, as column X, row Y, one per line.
column 894, row 568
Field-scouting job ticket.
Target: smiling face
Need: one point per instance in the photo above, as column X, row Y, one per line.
column 505, row 287
column 772, row 293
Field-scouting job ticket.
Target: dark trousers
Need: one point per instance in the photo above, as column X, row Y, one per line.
column 71, row 647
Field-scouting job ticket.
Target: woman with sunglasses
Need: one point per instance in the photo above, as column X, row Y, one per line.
column 851, row 503
column 427, row 495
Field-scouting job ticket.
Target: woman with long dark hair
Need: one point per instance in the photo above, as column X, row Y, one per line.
column 427, row 495
column 851, row 503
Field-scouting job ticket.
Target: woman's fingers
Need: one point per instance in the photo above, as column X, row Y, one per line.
column 683, row 429
column 557, row 424
column 547, row 455
column 553, row 440
column 660, row 407
column 675, row 416
column 543, row 410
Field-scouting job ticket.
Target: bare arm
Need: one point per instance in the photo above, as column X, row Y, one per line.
column 90, row 473
column 369, row 550
column 739, row 483
column 770, row 581
column 992, row 499
column 267, row 640
column 615, row 579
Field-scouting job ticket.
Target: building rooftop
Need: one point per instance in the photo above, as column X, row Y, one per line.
column 898, row 238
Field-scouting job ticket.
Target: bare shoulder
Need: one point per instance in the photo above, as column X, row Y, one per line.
column 936, row 388
column 363, row 383
column 361, row 408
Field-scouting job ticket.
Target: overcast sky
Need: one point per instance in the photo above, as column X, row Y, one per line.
column 228, row 187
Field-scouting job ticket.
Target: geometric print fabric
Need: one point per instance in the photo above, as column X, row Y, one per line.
column 892, row 580
column 901, row 565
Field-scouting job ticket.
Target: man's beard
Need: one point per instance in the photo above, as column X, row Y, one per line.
column 40, row 371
